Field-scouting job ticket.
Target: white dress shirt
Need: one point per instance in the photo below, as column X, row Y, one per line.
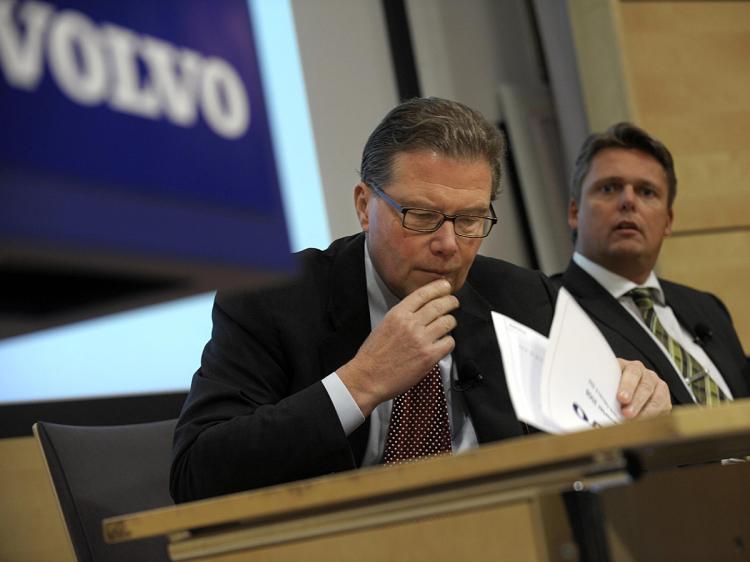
column 618, row 287
column 463, row 436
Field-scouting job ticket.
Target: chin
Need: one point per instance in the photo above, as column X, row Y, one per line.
column 424, row 279
column 626, row 249
column 456, row 283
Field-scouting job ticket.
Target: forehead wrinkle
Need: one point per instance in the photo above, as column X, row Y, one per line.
column 430, row 180
column 619, row 161
column 412, row 199
column 398, row 169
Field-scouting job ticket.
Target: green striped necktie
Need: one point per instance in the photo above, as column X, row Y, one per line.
column 704, row 388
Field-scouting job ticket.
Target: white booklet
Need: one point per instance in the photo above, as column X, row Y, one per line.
column 567, row 382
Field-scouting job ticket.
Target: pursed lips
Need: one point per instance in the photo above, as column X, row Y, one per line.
column 447, row 273
column 439, row 274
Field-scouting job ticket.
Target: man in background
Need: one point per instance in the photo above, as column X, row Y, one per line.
column 620, row 211
column 381, row 350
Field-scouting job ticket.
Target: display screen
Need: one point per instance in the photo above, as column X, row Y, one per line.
column 157, row 349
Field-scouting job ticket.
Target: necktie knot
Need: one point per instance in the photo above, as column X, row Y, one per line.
column 643, row 298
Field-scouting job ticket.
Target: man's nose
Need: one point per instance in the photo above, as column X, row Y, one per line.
column 444, row 239
column 627, row 196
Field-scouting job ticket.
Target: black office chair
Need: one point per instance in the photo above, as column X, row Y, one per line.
column 102, row 471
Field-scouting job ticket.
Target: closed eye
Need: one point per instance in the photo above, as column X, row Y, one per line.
column 423, row 215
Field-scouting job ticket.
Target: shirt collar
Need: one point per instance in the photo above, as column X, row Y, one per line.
column 380, row 298
column 616, row 285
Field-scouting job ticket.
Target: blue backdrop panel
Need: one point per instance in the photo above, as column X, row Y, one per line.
column 189, row 176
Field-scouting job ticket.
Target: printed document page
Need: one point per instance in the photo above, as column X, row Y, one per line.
column 523, row 351
column 581, row 374
column 565, row 383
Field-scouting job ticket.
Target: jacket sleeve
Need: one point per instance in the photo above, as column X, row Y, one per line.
column 257, row 413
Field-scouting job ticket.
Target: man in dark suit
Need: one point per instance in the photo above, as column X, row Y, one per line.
column 381, row 350
column 623, row 188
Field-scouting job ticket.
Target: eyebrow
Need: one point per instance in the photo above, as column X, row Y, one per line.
column 476, row 211
column 639, row 182
column 609, row 179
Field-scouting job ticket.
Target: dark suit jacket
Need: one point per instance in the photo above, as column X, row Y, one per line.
column 257, row 413
column 631, row 341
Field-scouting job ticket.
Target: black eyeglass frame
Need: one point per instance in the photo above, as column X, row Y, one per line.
column 446, row 217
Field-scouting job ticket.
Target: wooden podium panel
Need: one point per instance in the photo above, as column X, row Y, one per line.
column 508, row 533
column 696, row 513
column 500, row 501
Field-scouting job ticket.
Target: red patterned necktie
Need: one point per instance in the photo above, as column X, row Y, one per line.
column 419, row 422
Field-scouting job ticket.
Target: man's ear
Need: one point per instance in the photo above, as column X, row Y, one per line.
column 573, row 214
column 361, row 204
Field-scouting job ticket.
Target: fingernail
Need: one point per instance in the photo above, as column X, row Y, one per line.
column 624, row 395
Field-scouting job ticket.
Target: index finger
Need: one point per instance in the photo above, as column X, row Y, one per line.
column 631, row 373
column 433, row 290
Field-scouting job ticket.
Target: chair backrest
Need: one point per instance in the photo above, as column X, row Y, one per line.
column 98, row 472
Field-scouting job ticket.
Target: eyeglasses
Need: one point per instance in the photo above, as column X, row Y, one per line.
column 429, row 220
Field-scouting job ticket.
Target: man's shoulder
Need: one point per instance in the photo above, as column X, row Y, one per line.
column 523, row 294
column 486, row 268
column 682, row 289
column 574, row 274
column 352, row 246
column 315, row 271
column 678, row 295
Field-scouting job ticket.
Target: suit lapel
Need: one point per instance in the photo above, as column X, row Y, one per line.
column 488, row 401
column 349, row 317
column 607, row 311
column 690, row 316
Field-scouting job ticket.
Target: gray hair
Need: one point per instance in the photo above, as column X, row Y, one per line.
column 432, row 124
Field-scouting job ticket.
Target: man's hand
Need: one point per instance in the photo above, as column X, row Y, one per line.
column 401, row 350
column 642, row 394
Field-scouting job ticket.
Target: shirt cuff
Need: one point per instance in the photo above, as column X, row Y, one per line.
column 349, row 413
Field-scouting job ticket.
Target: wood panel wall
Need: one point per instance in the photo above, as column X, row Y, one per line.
column 683, row 68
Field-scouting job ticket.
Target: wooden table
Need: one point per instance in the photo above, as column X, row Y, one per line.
column 506, row 501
